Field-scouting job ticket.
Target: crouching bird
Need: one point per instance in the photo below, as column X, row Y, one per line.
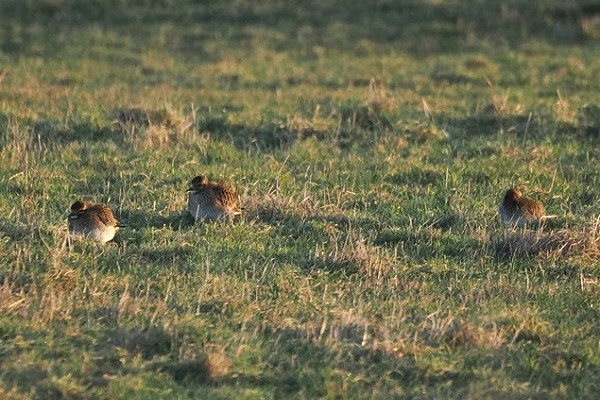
column 517, row 210
column 210, row 200
column 92, row 220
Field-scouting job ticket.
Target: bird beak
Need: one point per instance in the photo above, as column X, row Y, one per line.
column 189, row 190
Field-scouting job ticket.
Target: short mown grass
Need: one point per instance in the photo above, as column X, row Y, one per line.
column 370, row 142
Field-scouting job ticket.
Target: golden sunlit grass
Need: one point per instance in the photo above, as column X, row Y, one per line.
column 556, row 244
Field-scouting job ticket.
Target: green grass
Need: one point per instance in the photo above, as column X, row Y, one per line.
column 371, row 143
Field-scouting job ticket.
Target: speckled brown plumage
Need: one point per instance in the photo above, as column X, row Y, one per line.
column 518, row 210
column 210, row 200
column 93, row 220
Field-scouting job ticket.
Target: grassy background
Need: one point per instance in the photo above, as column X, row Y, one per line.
column 371, row 143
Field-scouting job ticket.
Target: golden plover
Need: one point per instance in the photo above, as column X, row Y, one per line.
column 518, row 210
column 210, row 200
column 92, row 220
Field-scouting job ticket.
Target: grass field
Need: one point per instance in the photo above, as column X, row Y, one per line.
column 371, row 143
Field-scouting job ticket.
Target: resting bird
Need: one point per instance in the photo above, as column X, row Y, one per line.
column 95, row 221
column 210, row 201
column 518, row 210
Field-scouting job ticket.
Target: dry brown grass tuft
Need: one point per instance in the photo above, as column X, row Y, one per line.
column 144, row 117
column 369, row 117
column 563, row 109
column 187, row 370
column 10, row 300
column 491, row 336
column 152, row 129
column 559, row 244
column 55, row 305
column 148, row 342
column 355, row 254
column 345, row 327
column 589, row 283
column 267, row 208
column 445, row 327
column 157, row 136
column 218, row 362
column 591, row 26
column 426, row 131
column 194, row 363
column 500, row 104
column 20, row 143
column 13, row 394
column 306, row 127
column 274, row 208
column 379, row 99
column 61, row 279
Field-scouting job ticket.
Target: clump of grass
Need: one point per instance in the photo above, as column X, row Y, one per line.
column 346, row 119
column 563, row 109
column 192, row 363
column 379, row 99
column 354, row 254
column 183, row 370
column 11, row 301
column 152, row 128
column 425, row 131
column 148, row 342
column 443, row 76
column 308, row 127
column 559, row 244
column 346, row 327
column 185, row 362
column 480, row 62
column 218, row 361
column 498, row 104
column 589, row 116
column 144, row 116
column 13, row 393
column 59, row 277
column 17, row 140
column 491, row 336
column 589, row 283
column 368, row 117
column 15, row 231
column 157, row 136
column 591, row 26
column 263, row 208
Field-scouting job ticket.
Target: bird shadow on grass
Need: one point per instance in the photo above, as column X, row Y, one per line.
column 537, row 124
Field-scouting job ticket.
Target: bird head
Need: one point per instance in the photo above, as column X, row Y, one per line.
column 197, row 183
column 512, row 195
column 77, row 208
